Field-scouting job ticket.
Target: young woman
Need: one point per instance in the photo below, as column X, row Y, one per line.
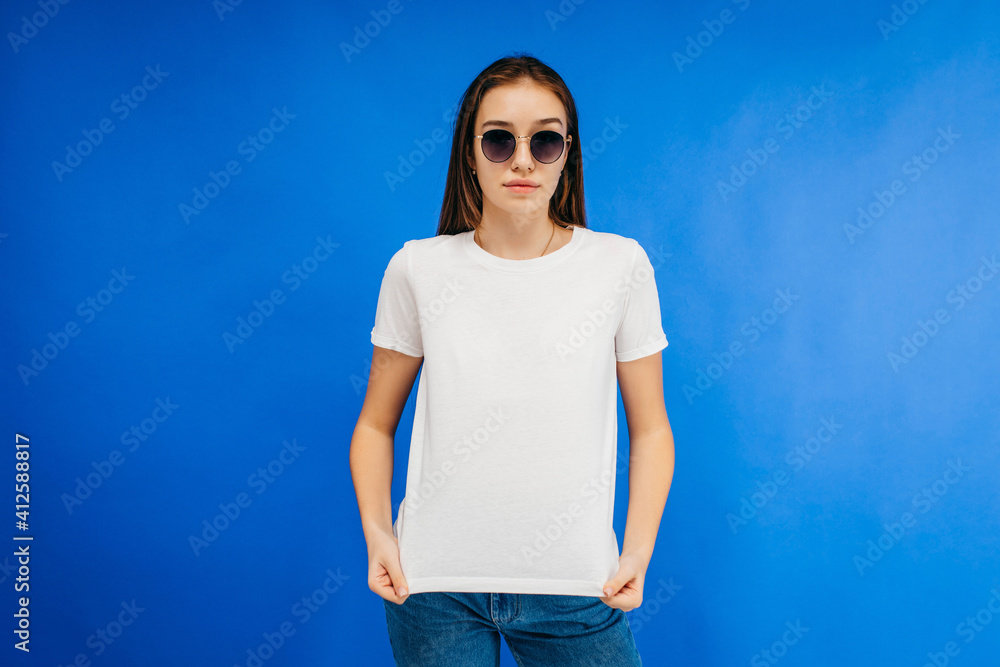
column 526, row 323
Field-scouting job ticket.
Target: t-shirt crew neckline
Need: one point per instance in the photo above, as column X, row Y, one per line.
column 524, row 265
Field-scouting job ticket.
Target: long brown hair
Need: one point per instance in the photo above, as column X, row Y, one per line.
column 462, row 207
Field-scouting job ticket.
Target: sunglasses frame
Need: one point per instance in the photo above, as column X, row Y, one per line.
column 517, row 138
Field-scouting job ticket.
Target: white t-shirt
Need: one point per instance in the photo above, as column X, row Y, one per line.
column 511, row 475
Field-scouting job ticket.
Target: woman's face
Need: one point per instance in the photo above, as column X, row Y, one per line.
column 520, row 109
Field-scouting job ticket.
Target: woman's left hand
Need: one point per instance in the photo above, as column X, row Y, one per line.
column 626, row 585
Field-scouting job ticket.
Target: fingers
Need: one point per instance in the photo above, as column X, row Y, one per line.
column 386, row 579
column 385, row 576
column 398, row 588
column 616, row 582
column 626, row 600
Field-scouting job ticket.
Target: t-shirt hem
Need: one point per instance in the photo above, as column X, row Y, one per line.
column 644, row 351
column 503, row 585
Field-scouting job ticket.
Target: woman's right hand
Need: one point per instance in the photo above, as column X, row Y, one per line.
column 385, row 576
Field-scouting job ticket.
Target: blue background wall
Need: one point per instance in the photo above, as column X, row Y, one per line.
column 822, row 483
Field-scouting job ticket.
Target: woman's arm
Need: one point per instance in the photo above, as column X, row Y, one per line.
column 651, row 451
column 651, row 466
column 371, row 460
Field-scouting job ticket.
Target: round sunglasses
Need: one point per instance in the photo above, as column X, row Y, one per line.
column 546, row 145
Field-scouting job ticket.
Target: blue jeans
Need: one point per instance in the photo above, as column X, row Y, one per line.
column 463, row 630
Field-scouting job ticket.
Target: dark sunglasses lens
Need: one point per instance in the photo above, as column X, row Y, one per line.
column 547, row 146
column 498, row 145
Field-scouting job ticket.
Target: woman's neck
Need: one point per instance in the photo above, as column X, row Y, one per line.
column 521, row 241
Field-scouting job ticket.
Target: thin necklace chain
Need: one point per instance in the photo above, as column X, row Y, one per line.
column 476, row 236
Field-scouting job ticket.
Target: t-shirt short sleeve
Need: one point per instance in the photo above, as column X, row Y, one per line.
column 640, row 332
column 397, row 322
